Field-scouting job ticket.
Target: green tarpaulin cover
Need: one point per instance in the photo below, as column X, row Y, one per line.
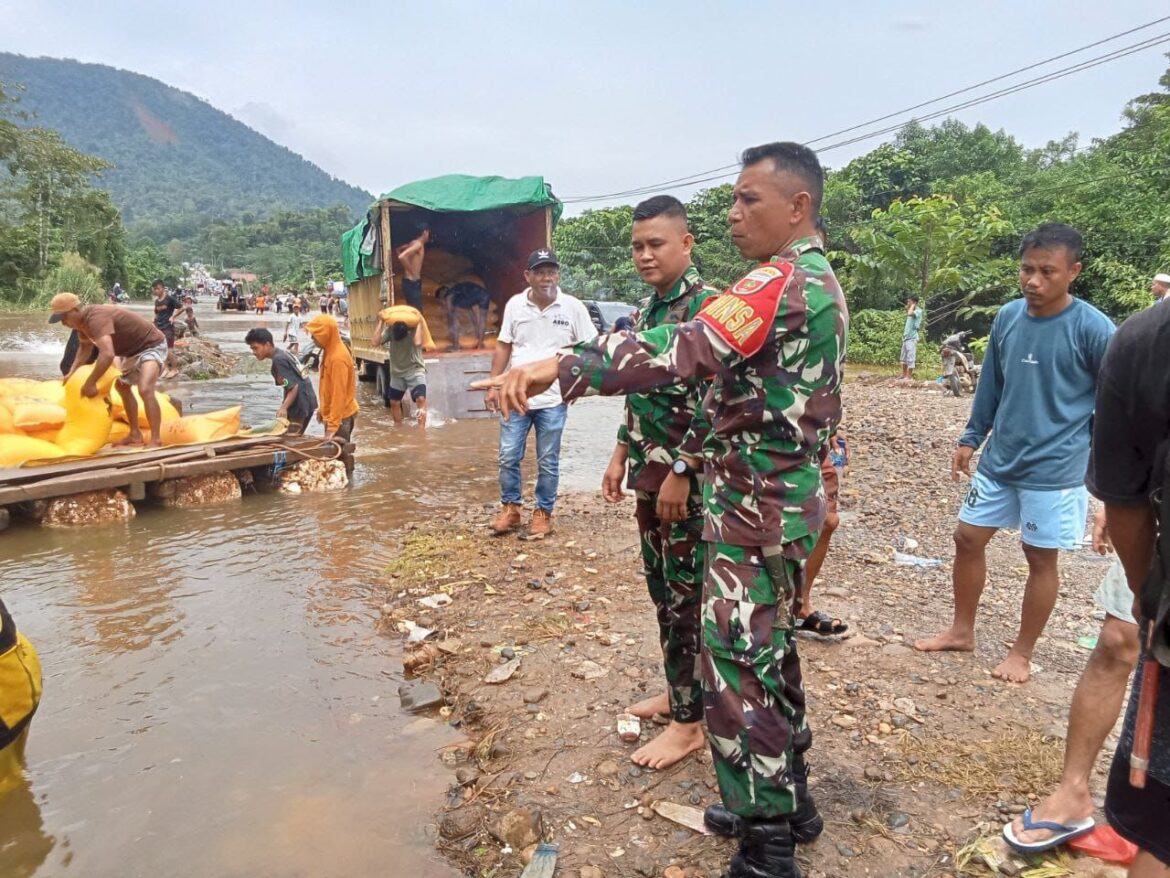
column 448, row 194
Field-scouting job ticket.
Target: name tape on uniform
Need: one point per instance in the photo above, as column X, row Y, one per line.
column 743, row 316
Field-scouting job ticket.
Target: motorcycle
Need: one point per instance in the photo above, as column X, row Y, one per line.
column 965, row 374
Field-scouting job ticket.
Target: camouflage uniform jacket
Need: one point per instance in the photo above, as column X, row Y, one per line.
column 668, row 421
column 775, row 344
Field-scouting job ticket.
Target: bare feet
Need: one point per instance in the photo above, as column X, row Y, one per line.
column 952, row 639
column 131, row 441
column 1064, row 806
column 1013, row 669
column 646, row 708
column 675, row 742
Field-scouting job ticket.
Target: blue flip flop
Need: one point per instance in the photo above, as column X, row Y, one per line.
column 1065, row 832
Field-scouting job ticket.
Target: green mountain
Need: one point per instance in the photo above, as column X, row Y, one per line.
column 177, row 160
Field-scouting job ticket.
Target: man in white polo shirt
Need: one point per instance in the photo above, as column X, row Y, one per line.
column 536, row 324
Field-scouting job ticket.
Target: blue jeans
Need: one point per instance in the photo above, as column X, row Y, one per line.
column 549, row 423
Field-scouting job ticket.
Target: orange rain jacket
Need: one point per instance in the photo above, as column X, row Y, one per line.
column 338, row 385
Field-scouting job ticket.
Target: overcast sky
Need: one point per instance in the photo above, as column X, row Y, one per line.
column 599, row 96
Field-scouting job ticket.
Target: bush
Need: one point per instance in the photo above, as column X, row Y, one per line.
column 72, row 275
column 875, row 339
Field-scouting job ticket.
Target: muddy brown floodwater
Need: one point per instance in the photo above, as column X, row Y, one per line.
column 217, row 702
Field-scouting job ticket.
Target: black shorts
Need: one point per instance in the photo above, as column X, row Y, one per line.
column 412, row 291
column 1137, row 815
column 169, row 332
column 419, row 391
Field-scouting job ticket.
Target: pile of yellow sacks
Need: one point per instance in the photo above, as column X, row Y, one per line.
column 44, row 420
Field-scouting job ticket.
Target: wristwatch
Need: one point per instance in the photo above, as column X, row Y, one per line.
column 681, row 468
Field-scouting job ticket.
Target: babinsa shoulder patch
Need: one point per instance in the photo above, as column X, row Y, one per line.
column 743, row 315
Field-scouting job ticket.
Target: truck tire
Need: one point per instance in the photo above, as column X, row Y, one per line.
column 382, row 382
column 367, row 371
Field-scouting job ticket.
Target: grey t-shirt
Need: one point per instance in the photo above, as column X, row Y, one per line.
column 289, row 372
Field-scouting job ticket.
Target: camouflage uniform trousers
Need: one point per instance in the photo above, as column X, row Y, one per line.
column 752, row 687
column 673, row 561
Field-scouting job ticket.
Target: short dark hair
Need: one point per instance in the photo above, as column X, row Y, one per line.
column 399, row 330
column 791, row 158
column 660, row 205
column 1048, row 236
column 258, row 336
column 156, row 283
column 914, row 299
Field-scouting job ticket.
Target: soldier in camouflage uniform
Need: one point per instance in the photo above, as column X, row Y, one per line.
column 775, row 344
column 661, row 436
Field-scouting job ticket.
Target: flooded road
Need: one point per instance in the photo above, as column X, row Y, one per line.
column 217, row 702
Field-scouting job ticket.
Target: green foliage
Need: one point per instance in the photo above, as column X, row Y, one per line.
column 875, row 339
column 73, row 275
column 978, row 347
column 145, row 263
column 172, row 156
column 288, row 248
column 49, row 209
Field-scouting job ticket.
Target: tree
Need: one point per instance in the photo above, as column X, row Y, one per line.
column 924, row 246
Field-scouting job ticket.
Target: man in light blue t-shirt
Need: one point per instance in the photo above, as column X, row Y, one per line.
column 1035, row 397
column 909, row 353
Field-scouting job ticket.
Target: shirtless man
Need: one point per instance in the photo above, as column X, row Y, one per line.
column 470, row 295
column 411, row 256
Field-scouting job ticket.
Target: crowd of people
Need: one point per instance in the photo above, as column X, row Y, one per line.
column 765, row 360
column 733, row 446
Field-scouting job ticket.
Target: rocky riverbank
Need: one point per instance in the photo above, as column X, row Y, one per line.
column 918, row 759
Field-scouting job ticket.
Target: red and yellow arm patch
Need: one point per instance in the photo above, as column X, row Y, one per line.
column 743, row 316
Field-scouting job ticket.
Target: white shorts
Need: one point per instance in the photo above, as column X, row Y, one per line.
column 132, row 366
column 1046, row 519
column 909, row 355
column 1113, row 594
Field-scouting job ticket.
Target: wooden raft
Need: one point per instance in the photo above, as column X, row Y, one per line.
column 134, row 470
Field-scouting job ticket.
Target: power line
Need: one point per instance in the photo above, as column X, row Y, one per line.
column 706, row 176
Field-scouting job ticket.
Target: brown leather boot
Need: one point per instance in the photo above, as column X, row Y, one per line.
column 541, row 525
column 508, row 518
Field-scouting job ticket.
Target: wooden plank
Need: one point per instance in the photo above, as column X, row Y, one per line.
column 36, row 473
column 156, row 471
column 387, row 255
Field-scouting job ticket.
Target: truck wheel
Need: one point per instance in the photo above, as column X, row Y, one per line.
column 382, row 379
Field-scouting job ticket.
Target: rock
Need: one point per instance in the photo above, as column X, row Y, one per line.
column 835, row 591
column 518, row 828
column 460, row 823
column 844, row 721
column 91, row 507
column 897, row 649
column 872, row 772
column 197, row 490
column 466, row 776
column 906, row 705
column 590, row 872
column 419, row 696
column 589, row 670
column 673, row 872
column 607, row 768
column 846, row 851
column 897, row 819
column 535, row 695
column 503, row 673
column 507, row 653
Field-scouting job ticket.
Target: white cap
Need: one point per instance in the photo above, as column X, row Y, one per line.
column 1162, row 278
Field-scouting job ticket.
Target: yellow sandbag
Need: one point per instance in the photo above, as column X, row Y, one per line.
column 88, row 419
column 169, row 412
column 202, row 428
column 411, row 317
column 6, row 425
column 16, row 450
column 49, row 391
column 49, row 434
column 33, row 416
column 119, row 430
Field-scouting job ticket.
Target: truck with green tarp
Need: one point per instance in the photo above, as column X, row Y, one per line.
column 481, row 227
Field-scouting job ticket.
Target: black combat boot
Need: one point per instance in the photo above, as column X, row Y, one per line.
column 805, row 821
column 766, row 851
